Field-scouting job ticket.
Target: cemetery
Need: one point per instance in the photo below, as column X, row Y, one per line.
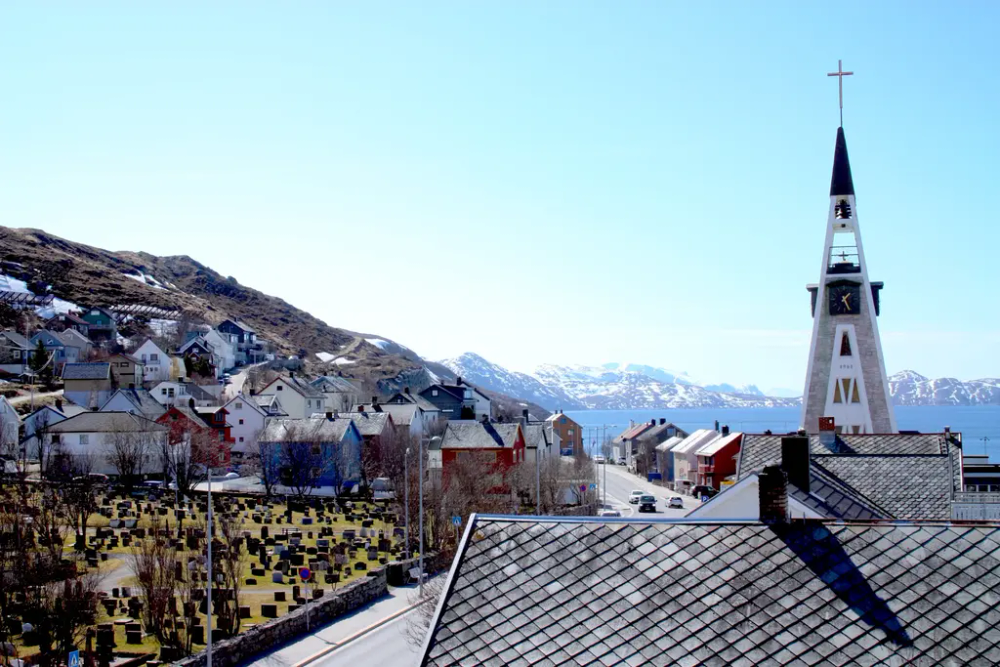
column 151, row 555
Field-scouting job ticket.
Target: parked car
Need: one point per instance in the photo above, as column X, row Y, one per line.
column 599, row 459
column 633, row 497
column 702, row 491
column 676, row 503
column 621, row 460
column 610, row 513
column 647, row 503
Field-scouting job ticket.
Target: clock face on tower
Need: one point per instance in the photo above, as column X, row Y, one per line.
column 845, row 299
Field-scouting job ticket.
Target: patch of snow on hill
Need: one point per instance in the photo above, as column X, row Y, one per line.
column 325, row 357
column 58, row 306
column 11, row 284
column 145, row 279
column 343, row 361
column 378, row 342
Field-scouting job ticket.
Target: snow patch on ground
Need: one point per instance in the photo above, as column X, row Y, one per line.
column 378, row 342
column 163, row 328
column 325, row 357
column 11, row 284
column 146, row 279
column 344, row 362
column 58, row 306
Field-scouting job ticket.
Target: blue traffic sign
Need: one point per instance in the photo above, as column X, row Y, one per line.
column 705, row 499
column 304, row 574
column 457, row 520
column 593, row 486
column 74, row 659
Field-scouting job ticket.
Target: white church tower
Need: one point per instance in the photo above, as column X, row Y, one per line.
column 846, row 378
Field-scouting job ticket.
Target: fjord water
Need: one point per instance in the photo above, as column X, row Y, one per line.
column 974, row 422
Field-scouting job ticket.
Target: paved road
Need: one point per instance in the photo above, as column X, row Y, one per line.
column 620, row 484
column 38, row 396
column 352, row 637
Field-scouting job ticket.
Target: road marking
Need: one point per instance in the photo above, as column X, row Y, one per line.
column 360, row 633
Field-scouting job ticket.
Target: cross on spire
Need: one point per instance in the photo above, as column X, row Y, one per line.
column 840, row 74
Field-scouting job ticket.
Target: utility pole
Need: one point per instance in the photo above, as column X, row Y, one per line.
column 211, row 576
column 406, row 495
column 420, row 459
column 538, row 477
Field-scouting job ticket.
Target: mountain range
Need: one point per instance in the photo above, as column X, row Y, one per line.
column 81, row 275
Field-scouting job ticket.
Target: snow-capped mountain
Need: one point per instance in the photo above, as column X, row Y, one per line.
column 608, row 387
column 603, row 388
column 478, row 371
column 912, row 388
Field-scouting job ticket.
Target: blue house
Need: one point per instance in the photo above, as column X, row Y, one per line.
column 317, row 452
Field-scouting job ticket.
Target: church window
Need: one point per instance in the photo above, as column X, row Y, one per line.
column 836, row 393
column 845, row 346
column 847, row 386
column 855, row 398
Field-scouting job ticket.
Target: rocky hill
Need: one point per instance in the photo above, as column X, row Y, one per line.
column 912, row 388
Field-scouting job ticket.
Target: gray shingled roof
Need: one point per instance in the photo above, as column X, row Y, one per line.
column 17, row 339
column 306, row 430
column 898, row 476
column 477, row 435
column 91, row 371
column 368, row 423
column 142, row 400
column 618, row 592
column 535, row 436
column 105, row 422
column 402, row 414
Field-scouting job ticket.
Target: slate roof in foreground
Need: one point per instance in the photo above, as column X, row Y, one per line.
column 547, row 591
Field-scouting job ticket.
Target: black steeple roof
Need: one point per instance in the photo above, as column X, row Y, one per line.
column 841, row 183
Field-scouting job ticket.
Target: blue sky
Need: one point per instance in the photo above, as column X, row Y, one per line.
column 565, row 182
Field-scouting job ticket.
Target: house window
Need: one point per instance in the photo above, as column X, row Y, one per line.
column 241, row 438
column 845, row 346
column 280, row 387
column 569, row 432
column 434, row 392
column 163, row 391
column 241, row 422
column 84, row 439
column 222, row 436
column 239, row 406
column 153, row 357
column 855, row 398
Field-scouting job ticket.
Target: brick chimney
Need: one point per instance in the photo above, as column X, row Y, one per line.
column 828, row 432
column 795, row 459
column 329, row 415
column 59, row 404
column 406, row 390
column 725, row 431
column 662, row 421
column 773, row 490
column 458, row 380
column 361, row 408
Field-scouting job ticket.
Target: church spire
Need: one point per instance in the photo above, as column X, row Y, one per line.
column 841, row 183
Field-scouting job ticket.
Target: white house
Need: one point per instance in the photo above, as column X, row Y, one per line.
column 180, row 393
column 88, row 441
column 299, row 399
column 686, row 458
column 157, row 364
column 539, row 441
column 10, row 423
column 40, row 420
column 341, row 395
column 224, row 348
column 135, row 401
column 247, row 420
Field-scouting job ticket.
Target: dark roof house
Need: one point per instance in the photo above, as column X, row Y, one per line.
column 87, row 371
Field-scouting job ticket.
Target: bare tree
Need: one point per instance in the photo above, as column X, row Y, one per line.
column 232, row 561
column 153, row 563
column 303, row 459
column 265, row 462
column 128, row 448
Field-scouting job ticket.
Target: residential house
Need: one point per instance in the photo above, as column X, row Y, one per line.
column 686, row 458
column 540, row 443
column 199, row 357
column 171, row 393
column 430, row 414
column 35, row 439
column 87, row 384
column 216, row 418
column 644, row 445
column 848, row 476
column 157, row 364
column 270, row 405
column 623, row 443
column 340, row 394
column 320, row 452
column 298, row 398
column 186, row 425
column 64, row 321
column 15, row 352
column 67, row 347
column 88, row 440
column 102, row 327
column 249, row 350
column 543, row 590
column 717, row 459
column 136, row 401
column 665, row 459
column 127, row 370
column 10, row 424
column 222, row 345
column 377, row 429
column 247, row 420
column 455, row 401
column 503, row 444
column 569, row 432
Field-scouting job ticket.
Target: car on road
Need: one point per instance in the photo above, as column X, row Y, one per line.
column 702, row 491
column 599, row 459
column 610, row 513
column 647, row 503
column 676, row 503
column 633, row 498
column 621, row 460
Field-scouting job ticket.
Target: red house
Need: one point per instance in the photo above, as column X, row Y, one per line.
column 717, row 459
column 501, row 443
column 201, row 429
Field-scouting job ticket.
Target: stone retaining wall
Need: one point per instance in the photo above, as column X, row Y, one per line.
column 257, row 640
